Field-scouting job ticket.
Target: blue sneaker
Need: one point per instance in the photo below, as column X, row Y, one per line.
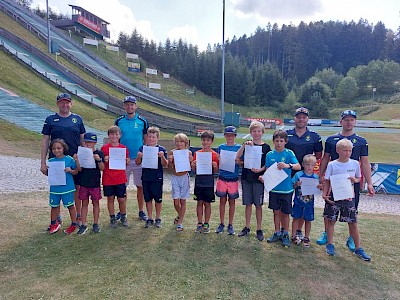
column 259, row 235
column 350, row 244
column 285, row 240
column 361, row 254
column 330, row 249
column 220, row 228
column 230, row 230
column 142, row 216
column 323, row 239
column 274, row 238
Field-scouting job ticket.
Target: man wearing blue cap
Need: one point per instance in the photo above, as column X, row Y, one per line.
column 359, row 153
column 133, row 134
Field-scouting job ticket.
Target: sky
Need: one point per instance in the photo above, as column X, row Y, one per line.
column 200, row 21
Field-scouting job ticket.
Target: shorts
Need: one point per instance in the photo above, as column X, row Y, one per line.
column 118, row 190
column 152, row 190
column 180, row 187
column 205, row 194
column 303, row 210
column 227, row 188
column 346, row 208
column 67, row 199
column 282, row 202
column 77, row 179
column 136, row 171
column 85, row 192
column 252, row 193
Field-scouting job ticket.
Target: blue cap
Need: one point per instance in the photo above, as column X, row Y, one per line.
column 301, row 110
column 64, row 96
column 90, row 137
column 130, row 99
column 348, row 112
column 230, row 129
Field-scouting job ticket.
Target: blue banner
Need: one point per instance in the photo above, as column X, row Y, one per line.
column 386, row 178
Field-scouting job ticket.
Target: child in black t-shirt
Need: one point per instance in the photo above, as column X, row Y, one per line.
column 90, row 184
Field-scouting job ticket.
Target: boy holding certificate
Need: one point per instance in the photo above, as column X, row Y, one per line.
column 180, row 181
column 341, row 174
column 252, row 155
column 116, row 158
column 153, row 158
column 280, row 197
column 305, row 183
column 227, row 186
column 205, row 164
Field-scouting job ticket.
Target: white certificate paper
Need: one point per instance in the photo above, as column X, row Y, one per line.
column 181, row 160
column 272, row 177
column 252, row 157
column 117, row 159
column 309, row 186
column 227, row 160
column 204, row 163
column 150, row 157
column 85, row 157
column 56, row 173
column 341, row 187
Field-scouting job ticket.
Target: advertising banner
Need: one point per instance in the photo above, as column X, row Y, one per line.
column 132, row 56
column 133, row 66
column 263, row 120
column 112, row 48
column 151, row 71
column 89, row 24
column 155, row 86
column 386, row 178
column 91, row 42
column 166, row 76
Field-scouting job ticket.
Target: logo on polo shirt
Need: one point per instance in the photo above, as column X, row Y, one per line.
column 282, row 159
column 354, row 141
column 74, row 120
column 308, row 138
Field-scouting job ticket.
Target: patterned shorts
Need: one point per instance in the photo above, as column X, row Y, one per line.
column 346, row 208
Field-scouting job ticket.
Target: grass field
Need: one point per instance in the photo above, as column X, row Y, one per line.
column 139, row 263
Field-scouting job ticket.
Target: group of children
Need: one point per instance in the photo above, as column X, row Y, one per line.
column 227, row 184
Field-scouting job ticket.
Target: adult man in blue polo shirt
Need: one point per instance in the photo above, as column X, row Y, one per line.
column 303, row 141
column 67, row 126
column 359, row 153
column 134, row 132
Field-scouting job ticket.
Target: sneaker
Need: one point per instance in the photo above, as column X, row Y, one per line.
column 206, row 228
column 323, row 239
column 245, row 231
column 281, row 233
column 142, row 216
column 220, row 228
column 285, row 240
column 158, row 223
column 274, row 238
column 230, row 230
column 330, row 250
column 118, row 216
column 350, row 244
column 306, row 242
column 361, row 254
column 259, row 235
column 124, row 221
column 296, row 240
column 299, row 234
column 113, row 223
column 96, row 228
column 53, row 228
column 59, row 221
column 199, row 228
column 82, row 230
column 70, row 229
column 149, row 223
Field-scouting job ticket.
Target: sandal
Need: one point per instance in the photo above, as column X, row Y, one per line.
column 176, row 221
column 179, row 227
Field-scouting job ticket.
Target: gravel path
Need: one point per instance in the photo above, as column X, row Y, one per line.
column 18, row 174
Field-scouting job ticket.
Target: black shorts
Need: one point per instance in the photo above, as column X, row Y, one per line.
column 118, row 190
column 152, row 190
column 77, row 179
column 205, row 194
column 283, row 202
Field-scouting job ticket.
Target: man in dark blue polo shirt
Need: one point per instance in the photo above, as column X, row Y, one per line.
column 359, row 153
column 133, row 134
column 303, row 141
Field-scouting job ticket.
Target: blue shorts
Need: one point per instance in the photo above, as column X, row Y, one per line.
column 67, row 199
column 303, row 210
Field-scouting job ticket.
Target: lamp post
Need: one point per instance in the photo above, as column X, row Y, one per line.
column 48, row 27
column 223, row 65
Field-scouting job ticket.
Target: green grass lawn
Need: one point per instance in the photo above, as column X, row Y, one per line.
column 138, row 263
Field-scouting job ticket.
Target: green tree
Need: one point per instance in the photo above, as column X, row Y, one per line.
column 347, row 90
column 312, row 86
column 270, row 88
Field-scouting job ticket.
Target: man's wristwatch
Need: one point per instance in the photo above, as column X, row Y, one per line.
column 290, row 166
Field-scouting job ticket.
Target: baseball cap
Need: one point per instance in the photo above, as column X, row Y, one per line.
column 64, row 96
column 230, row 129
column 130, row 99
column 348, row 112
column 301, row 110
column 90, row 137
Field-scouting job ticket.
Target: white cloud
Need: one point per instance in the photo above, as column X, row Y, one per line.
column 186, row 32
